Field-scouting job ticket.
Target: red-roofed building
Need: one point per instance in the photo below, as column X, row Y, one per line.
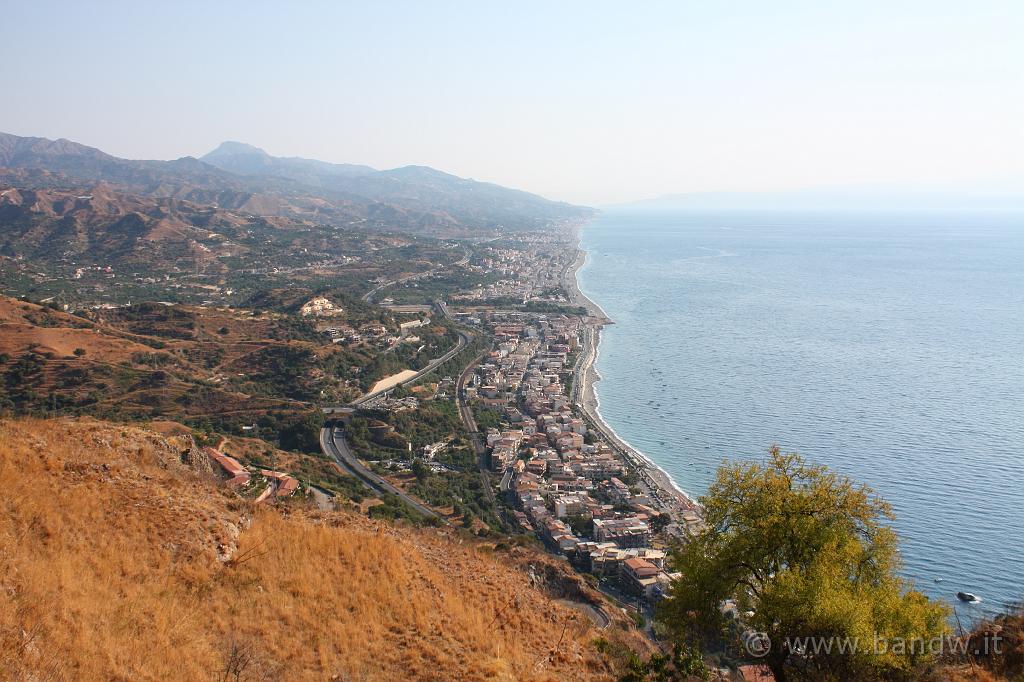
column 285, row 485
column 238, row 475
column 640, row 575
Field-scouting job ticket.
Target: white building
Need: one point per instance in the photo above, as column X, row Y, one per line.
column 320, row 307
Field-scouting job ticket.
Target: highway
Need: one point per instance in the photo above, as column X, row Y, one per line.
column 430, row 367
column 333, row 443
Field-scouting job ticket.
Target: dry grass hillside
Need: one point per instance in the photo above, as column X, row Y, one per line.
column 189, row 361
column 74, row 363
column 119, row 562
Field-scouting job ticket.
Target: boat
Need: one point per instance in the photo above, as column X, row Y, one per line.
column 968, row 597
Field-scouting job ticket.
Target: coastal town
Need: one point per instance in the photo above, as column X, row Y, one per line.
column 498, row 330
column 561, row 474
column 575, row 342
column 504, row 337
column 589, row 497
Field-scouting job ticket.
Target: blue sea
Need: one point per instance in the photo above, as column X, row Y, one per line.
column 889, row 347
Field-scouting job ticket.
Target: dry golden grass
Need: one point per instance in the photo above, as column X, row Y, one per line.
column 20, row 329
column 109, row 570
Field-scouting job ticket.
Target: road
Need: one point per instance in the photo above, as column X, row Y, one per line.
column 466, row 415
column 597, row 615
column 430, row 367
column 584, row 361
column 368, row 296
column 334, row 445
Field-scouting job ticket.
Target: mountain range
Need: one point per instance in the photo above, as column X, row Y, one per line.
column 238, row 176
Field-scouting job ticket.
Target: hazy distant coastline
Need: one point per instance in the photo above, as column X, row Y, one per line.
column 868, row 198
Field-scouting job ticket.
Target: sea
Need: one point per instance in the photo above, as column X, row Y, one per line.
column 887, row 346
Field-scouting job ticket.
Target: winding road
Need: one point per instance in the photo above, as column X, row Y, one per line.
column 334, row 445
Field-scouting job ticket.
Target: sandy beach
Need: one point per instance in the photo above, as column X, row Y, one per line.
column 572, row 287
column 658, row 483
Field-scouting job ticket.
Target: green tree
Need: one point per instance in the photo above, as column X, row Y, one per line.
column 804, row 553
column 301, row 432
column 683, row 663
column 420, row 470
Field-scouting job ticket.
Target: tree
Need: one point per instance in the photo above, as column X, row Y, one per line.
column 580, row 525
column 660, row 522
column 79, row 352
column 420, row 470
column 805, row 554
column 684, row 663
column 300, row 432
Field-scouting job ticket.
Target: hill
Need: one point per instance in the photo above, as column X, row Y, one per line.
column 124, row 561
column 104, row 225
column 99, row 245
column 178, row 360
column 236, row 372
column 191, row 362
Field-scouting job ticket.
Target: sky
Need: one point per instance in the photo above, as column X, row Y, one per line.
column 590, row 102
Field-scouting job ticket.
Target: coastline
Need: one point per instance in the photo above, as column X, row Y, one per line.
column 572, row 287
column 663, row 490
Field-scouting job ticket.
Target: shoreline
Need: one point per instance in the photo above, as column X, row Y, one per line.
column 572, row 287
column 662, row 488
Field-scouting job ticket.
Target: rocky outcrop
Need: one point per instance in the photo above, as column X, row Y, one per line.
column 193, row 456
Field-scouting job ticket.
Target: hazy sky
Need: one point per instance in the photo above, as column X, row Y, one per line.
column 584, row 101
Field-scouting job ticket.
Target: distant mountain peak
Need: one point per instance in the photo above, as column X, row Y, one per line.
column 232, row 148
column 423, row 172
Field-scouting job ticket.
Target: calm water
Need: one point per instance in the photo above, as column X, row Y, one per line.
column 889, row 347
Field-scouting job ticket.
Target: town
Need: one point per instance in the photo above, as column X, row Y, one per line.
column 560, row 473
column 561, row 477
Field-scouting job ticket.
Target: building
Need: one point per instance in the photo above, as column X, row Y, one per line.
column 627, row 532
column 320, row 307
column 571, row 504
column 237, row 474
column 640, row 577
